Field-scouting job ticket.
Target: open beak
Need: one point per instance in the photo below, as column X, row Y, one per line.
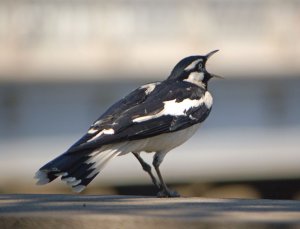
column 207, row 57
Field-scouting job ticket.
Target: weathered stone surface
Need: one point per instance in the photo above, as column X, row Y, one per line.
column 90, row 211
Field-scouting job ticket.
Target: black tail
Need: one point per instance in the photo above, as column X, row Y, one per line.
column 75, row 169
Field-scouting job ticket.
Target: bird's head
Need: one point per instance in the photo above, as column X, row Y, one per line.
column 192, row 69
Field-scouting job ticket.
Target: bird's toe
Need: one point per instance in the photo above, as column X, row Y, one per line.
column 167, row 194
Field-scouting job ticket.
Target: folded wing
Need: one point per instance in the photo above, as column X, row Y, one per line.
column 140, row 115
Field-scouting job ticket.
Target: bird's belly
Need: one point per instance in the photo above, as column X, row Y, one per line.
column 161, row 143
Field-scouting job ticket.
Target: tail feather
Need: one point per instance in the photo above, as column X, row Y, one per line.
column 60, row 166
column 77, row 169
column 44, row 178
column 81, row 170
column 101, row 160
column 80, row 176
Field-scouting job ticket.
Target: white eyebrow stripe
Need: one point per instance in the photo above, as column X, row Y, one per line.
column 192, row 65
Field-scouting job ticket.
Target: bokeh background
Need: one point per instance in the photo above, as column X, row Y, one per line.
column 64, row 62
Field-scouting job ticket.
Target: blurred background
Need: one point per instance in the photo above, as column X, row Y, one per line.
column 62, row 63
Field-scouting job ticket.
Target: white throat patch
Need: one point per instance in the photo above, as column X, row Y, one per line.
column 196, row 78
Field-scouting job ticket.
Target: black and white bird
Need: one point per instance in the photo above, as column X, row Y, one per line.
column 156, row 117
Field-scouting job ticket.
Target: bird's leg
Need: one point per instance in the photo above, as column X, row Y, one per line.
column 147, row 168
column 165, row 191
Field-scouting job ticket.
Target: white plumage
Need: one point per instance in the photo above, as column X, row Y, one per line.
column 156, row 117
column 178, row 108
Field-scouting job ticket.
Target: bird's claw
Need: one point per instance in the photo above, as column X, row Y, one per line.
column 167, row 193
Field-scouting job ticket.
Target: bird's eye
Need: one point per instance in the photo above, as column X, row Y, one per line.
column 200, row 66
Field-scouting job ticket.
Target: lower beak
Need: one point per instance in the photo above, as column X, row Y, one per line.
column 208, row 56
column 217, row 76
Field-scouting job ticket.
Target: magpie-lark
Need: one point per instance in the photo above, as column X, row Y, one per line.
column 155, row 117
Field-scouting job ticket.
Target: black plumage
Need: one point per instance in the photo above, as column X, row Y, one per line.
column 121, row 120
column 141, row 121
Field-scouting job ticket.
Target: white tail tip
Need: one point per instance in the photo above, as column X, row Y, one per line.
column 78, row 188
column 42, row 177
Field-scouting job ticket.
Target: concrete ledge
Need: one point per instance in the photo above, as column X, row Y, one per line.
column 90, row 211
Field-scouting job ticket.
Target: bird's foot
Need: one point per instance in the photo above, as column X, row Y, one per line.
column 166, row 193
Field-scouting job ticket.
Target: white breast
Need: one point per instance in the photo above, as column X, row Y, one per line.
column 208, row 100
column 166, row 142
column 162, row 142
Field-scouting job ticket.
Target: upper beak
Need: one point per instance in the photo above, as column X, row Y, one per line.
column 208, row 56
column 211, row 53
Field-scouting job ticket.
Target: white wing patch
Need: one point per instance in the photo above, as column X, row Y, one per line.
column 149, row 87
column 92, row 131
column 104, row 131
column 178, row 108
